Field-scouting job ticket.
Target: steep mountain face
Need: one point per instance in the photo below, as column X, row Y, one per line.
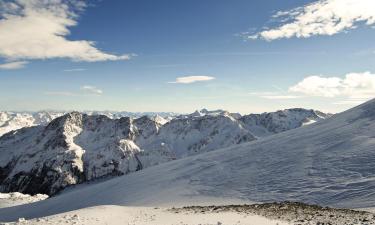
column 71, row 149
column 266, row 124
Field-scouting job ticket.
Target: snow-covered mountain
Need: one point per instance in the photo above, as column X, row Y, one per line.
column 78, row 147
column 329, row 163
column 15, row 120
column 266, row 124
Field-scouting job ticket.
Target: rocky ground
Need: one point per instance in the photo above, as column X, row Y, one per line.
column 285, row 213
column 291, row 212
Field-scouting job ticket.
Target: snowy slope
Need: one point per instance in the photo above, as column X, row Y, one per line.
column 329, row 163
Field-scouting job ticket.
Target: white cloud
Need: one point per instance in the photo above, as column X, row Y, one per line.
column 38, row 29
column 319, row 86
column 13, row 65
column 323, row 17
column 191, row 79
column 91, row 90
column 354, row 86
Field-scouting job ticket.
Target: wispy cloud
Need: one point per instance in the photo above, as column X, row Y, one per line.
column 86, row 90
column 75, row 70
column 323, row 17
column 191, row 79
column 91, row 90
column 38, row 29
column 13, row 65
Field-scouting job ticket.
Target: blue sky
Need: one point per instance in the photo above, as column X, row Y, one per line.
column 242, row 56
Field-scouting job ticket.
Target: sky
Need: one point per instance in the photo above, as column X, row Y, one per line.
column 178, row 56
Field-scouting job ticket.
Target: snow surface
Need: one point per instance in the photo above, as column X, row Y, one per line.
column 110, row 214
column 328, row 163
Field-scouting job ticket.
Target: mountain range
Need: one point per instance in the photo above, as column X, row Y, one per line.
column 76, row 147
column 15, row 120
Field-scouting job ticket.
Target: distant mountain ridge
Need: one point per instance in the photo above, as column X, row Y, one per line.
column 77, row 147
column 10, row 120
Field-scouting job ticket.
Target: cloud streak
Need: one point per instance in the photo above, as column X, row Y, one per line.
column 323, row 17
column 191, row 79
column 38, row 29
column 85, row 90
column 91, row 90
column 13, row 65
